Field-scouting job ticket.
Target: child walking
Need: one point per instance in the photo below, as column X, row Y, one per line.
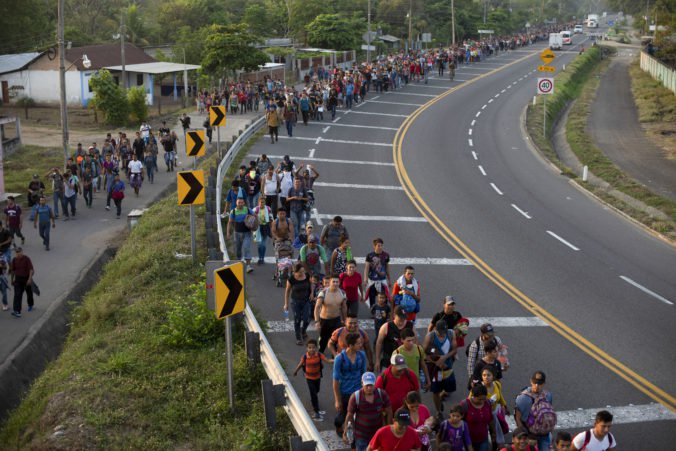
column 312, row 363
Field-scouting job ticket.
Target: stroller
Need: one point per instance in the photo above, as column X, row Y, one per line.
column 283, row 262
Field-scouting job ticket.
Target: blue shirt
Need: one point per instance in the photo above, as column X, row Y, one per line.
column 44, row 213
column 525, row 402
column 348, row 373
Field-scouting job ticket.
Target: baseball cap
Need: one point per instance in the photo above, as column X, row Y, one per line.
column 449, row 300
column 441, row 326
column 402, row 417
column 309, row 224
column 312, row 239
column 486, row 328
column 520, row 432
column 368, row 379
column 398, row 361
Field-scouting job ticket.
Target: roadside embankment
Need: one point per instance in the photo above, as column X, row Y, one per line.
column 569, row 145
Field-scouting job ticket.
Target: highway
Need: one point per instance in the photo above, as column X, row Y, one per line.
column 455, row 189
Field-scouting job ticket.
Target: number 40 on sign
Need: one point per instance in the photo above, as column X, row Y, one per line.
column 545, row 86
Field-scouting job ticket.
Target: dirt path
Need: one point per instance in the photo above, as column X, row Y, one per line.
column 614, row 126
column 50, row 137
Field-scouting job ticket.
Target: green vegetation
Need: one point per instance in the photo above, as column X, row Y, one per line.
column 109, row 98
column 333, row 31
column 136, row 97
column 229, row 48
column 143, row 366
column 579, row 83
column 25, row 103
column 21, row 165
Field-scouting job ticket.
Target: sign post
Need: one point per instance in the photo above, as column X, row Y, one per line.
column 194, row 147
column 217, row 119
column 229, row 300
column 545, row 87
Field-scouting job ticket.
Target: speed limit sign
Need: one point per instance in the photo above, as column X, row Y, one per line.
column 545, row 86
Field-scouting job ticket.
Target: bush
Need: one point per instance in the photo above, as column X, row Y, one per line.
column 110, row 98
column 25, row 103
column 189, row 322
column 136, row 97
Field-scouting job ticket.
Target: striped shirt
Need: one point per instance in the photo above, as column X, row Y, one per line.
column 313, row 365
column 368, row 416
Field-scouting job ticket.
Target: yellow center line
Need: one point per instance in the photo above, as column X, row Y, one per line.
column 626, row 373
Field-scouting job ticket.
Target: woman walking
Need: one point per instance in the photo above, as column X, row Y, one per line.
column 117, row 193
column 298, row 292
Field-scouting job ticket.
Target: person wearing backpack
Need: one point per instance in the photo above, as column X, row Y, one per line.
column 534, row 411
column 397, row 380
column 475, row 351
column 348, row 368
column 455, row 431
column 312, row 363
column 243, row 235
column 368, row 409
column 478, row 414
column 441, row 349
column 415, row 357
column 599, row 437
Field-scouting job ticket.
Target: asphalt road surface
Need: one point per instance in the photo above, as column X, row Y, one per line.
column 538, row 258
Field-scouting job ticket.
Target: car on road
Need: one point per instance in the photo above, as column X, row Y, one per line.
column 555, row 41
column 566, row 37
column 577, row 29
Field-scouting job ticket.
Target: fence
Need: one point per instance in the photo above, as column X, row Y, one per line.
column 292, row 404
column 660, row 72
column 330, row 59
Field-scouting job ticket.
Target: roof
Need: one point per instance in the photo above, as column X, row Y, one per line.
column 271, row 66
column 13, row 63
column 105, row 55
column 159, row 67
column 388, row 38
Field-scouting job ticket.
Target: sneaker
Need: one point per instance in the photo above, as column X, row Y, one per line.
column 46, row 248
column 322, row 412
column 249, row 268
column 16, row 314
column 30, row 308
column 260, row 261
column 5, row 308
column 107, row 207
column 23, row 241
column 317, row 417
column 66, row 218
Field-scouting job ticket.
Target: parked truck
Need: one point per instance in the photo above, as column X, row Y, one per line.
column 593, row 20
column 555, row 41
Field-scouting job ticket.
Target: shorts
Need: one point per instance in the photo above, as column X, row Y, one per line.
column 448, row 385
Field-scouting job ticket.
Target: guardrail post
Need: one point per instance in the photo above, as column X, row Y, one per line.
column 273, row 396
column 252, row 345
column 296, row 443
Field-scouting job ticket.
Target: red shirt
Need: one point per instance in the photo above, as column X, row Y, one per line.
column 397, row 388
column 351, row 285
column 385, row 440
column 21, row 266
column 478, row 421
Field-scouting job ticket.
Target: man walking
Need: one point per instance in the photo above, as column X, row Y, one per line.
column 13, row 219
column 368, row 409
column 21, row 269
column 43, row 217
column 599, row 437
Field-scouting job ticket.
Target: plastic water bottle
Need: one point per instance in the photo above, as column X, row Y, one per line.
column 349, row 433
column 286, row 314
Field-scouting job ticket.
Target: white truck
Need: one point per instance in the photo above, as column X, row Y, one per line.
column 593, row 20
column 555, row 41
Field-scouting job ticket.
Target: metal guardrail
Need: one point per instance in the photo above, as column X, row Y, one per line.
column 294, row 406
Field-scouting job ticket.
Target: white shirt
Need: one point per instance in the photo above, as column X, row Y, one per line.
column 594, row 444
column 270, row 185
column 145, row 130
column 136, row 167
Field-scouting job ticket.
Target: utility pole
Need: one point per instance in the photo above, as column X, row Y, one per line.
column 410, row 18
column 368, row 40
column 485, row 9
column 62, row 82
column 453, row 22
column 123, row 32
column 185, row 82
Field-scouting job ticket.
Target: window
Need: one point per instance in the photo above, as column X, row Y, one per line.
column 117, row 80
column 139, row 79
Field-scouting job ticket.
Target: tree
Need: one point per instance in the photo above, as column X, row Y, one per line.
column 109, row 98
column 333, row 31
column 136, row 97
column 229, row 48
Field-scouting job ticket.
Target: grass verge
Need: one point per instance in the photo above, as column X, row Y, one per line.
column 656, row 108
column 579, row 83
column 143, row 366
column 21, row 165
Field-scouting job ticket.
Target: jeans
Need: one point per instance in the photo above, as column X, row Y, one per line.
column 243, row 240
column 88, row 194
column 16, row 232
column 118, row 206
column 289, row 128
column 483, row 446
column 262, row 246
column 348, row 101
column 252, row 200
column 297, row 217
column 360, row 444
column 544, row 441
column 43, row 228
column 21, row 285
column 58, row 199
column 313, row 386
column 332, row 108
column 69, row 201
column 150, row 168
column 301, row 317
